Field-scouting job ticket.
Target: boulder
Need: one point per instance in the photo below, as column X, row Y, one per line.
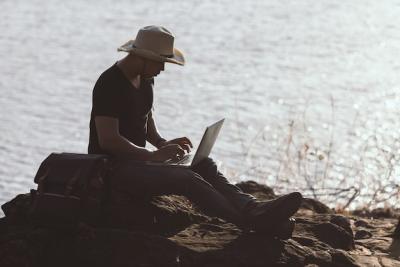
column 171, row 231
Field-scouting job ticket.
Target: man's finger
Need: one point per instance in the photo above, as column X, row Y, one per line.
column 180, row 151
column 186, row 147
column 190, row 143
column 187, row 141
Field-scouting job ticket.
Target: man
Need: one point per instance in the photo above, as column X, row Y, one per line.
column 122, row 121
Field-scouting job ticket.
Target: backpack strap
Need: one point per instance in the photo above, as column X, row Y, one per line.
column 99, row 173
column 41, row 181
column 71, row 182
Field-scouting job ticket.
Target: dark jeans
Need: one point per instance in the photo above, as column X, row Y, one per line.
column 204, row 185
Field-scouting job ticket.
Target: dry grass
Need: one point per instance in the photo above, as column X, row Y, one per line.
column 365, row 177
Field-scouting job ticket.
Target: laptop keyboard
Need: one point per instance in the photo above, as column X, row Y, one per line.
column 185, row 159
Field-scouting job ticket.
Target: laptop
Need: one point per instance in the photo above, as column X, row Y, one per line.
column 203, row 151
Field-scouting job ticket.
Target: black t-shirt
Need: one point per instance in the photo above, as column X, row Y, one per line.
column 115, row 96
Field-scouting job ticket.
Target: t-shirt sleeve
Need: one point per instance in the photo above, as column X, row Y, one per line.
column 106, row 100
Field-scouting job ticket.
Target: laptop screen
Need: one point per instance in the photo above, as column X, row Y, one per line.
column 207, row 142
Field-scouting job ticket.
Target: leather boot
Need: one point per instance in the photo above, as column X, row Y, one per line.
column 264, row 216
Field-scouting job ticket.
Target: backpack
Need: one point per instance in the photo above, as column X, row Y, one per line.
column 72, row 188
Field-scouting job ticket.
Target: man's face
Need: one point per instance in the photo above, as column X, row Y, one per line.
column 152, row 68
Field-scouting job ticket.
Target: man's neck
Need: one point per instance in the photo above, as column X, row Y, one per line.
column 130, row 68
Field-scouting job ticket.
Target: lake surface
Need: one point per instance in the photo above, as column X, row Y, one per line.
column 309, row 89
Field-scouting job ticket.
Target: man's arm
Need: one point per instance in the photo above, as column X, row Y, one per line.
column 111, row 141
column 153, row 135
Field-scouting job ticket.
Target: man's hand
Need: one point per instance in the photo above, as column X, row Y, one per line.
column 183, row 142
column 171, row 151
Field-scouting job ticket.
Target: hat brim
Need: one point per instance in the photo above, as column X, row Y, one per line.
column 176, row 58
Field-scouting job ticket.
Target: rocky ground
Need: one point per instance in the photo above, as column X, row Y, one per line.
column 170, row 231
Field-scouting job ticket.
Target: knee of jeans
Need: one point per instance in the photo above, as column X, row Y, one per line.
column 207, row 167
column 193, row 178
column 190, row 175
column 209, row 161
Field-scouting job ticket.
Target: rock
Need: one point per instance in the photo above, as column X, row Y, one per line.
column 396, row 233
column 377, row 244
column 377, row 213
column 334, row 235
column 316, row 206
column 395, row 246
column 171, row 231
column 362, row 234
column 342, row 258
column 114, row 247
column 387, row 262
column 162, row 215
column 342, row 222
column 16, row 211
column 383, row 213
column 361, row 223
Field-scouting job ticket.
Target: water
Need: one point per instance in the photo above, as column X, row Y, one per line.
column 309, row 89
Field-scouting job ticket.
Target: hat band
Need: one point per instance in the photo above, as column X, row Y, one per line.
column 168, row 56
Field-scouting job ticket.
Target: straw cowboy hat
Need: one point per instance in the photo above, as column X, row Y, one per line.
column 155, row 43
